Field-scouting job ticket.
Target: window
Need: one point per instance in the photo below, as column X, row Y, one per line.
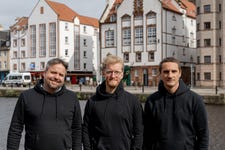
column 85, row 42
column 154, row 71
column 198, row 27
column 174, row 18
column 198, row 43
column 14, row 54
column 207, row 42
column 151, row 56
column 220, row 24
column 198, row 76
column 198, row 59
column 14, row 43
column 52, row 39
column 220, row 7
column 151, row 34
column 41, row 10
column 23, row 42
column 66, row 26
column 220, row 76
column 207, row 8
column 109, row 38
column 85, row 29
column 207, row 75
column 207, row 59
column 85, row 65
column 32, row 66
column 23, row 66
column 42, row 40
column 42, row 65
column 126, row 57
column 207, row 25
column 33, row 41
column 220, row 42
column 138, row 57
column 126, row 36
column 139, row 35
column 198, row 10
column 14, row 67
column 220, row 59
column 66, row 52
column 66, row 40
column 23, row 54
column 85, row 54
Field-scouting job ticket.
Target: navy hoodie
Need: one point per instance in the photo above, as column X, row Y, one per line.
column 52, row 121
column 113, row 121
column 175, row 121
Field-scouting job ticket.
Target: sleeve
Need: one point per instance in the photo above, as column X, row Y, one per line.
column 16, row 125
column 149, row 139
column 86, row 127
column 201, row 125
column 77, row 127
column 137, row 141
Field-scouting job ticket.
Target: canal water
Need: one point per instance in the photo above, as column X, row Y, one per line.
column 216, row 117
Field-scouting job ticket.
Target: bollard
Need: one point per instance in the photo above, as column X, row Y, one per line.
column 80, row 85
column 143, row 88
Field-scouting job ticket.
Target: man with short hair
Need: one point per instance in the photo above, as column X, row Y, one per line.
column 175, row 117
column 50, row 113
column 113, row 117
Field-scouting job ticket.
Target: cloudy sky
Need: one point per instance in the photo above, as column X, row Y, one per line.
column 11, row 9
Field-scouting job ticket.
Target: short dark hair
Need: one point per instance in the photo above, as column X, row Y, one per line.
column 55, row 61
column 169, row 59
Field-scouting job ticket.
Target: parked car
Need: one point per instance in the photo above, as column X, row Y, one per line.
column 18, row 79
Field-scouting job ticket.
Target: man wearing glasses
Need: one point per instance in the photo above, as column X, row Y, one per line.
column 113, row 117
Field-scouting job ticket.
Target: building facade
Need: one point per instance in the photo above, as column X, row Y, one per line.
column 210, row 45
column 143, row 32
column 55, row 30
column 4, row 53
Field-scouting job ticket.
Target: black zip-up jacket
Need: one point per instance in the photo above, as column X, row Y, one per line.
column 113, row 121
column 52, row 121
column 175, row 121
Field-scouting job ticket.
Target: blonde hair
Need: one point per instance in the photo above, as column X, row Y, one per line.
column 112, row 59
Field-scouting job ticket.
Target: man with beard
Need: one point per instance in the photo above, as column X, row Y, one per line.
column 175, row 117
column 113, row 117
column 50, row 113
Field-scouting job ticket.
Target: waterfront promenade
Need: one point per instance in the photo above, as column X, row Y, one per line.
column 216, row 115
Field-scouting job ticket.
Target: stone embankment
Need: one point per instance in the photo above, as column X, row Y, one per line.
column 85, row 94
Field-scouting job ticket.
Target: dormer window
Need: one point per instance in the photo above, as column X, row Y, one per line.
column 113, row 18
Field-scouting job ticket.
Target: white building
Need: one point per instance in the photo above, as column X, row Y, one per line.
column 55, row 30
column 143, row 32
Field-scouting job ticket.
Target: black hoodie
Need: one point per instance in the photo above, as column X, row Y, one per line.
column 52, row 121
column 113, row 121
column 175, row 121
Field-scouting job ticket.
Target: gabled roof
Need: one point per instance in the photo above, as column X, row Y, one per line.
column 67, row 14
column 20, row 24
column 166, row 4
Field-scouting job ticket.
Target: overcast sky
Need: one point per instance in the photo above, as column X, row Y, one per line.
column 11, row 9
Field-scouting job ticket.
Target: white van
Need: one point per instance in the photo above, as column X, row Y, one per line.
column 18, row 79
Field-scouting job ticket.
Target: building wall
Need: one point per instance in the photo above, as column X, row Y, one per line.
column 164, row 46
column 215, row 49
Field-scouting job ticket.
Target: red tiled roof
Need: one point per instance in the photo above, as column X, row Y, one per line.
column 167, row 4
column 190, row 8
column 67, row 14
column 21, row 22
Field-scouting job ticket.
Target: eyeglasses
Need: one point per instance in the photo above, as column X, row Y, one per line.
column 110, row 72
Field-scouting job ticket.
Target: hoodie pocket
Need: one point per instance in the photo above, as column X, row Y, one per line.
column 113, row 143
